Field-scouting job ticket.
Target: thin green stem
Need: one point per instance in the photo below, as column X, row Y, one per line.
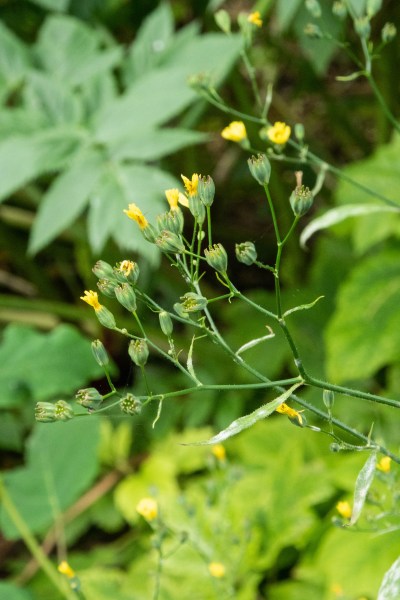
column 251, row 72
column 382, row 102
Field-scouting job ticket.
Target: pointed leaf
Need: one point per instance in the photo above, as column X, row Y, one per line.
column 14, row 57
column 390, row 588
column 363, row 483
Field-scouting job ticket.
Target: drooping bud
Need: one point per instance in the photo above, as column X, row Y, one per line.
column 168, row 241
column 192, row 302
column 388, row 33
column 127, row 270
column 139, row 352
column 89, row 398
column 100, row 353
column 206, row 190
column 329, row 398
column 260, row 168
column 126, row 296
column 131, row 405
column 103, row 270
column 166, row 323
column 217, row 258
column 246, row 253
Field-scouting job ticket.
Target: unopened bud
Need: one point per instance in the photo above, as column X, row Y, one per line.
column 363, row 27
column 166, row 323
column 126, row 296
column 299, row 131
column 329, row 398
column 149, row 233
column 260, row 168
column 312, row 31
column 197, row 208
column 127, row 271
column 100, row 353
column 89, row 398
column 105, row 317
column 217, row 258
column 103, row 270
column 169, row 242
column 339, row 9
column 130, row 405
column 107, row 287
column 192, row 302
column 388, row 32
column 206, row 190
column 171, row 221
column 139, row 352
column 246, row 253
column 301, row 200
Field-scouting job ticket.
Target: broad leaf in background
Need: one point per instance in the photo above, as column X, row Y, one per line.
column 12, row 592
column 363, row 483
column 43, row 364
column 363, row 334
column 52, row 479
column 390, row 587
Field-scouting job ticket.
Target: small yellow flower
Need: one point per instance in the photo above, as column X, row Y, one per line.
column 92, row 299
column 279, row 133
column 176, row 197
column 384, row 464
column 219, row 452
column 191, row 184
column 126, row 266
column 255, row 18
column 344, row 509
column 216, row 569
column 148, row 508
column 65, row 569
column 284, row 409
column 235, row 132
column 136, row 214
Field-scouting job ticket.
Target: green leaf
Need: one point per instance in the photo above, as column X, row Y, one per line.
column 10, row 591
column 14, row 57
column 43, row 365
column 336, row 215
column 363, row 483
column 66, row 199
column 61, row 464
column 60, row 5
column 249, row 420
column 363, row 334
column 390, row 588
column 105, row 210
column 153, row 144
column 15, row 121
column 286, row 11
column 52, row 99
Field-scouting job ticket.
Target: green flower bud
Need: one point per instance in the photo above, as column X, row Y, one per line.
column 100, row 353
column 339, row 9
column 45, row 412
column 312, row 31
column 363, row 27
column 301, row 200
column 388, row 32
column 166, row 323
column 89, row 398
column 192, row 302
column 103, row 270
column 206, row 190
column 105, row 317
column 169, row 242
column 217, row 258
column 299, row 131
column 223, row 20
column 260, row 168
column 131, row 405
column 149, row 233
column 107, row 287
column 139, row 352
column 329, row 398
column 196, row 207
column 373, row 6
column 64, row 411
column 127, row 271
column 126, row 296
column 246, row 253
column 171, row 221
column 314, row 8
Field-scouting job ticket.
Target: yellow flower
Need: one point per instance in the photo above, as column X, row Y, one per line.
column 384, row 464
column 255, row 18
column 344, row 509
column 148, row 508
column 136, row 214
column 65, row 569
column 174, row 197
column 279, row 133
column 216, row 569
column 235, row 132
column 191, row 184
column 284, row 409
column 92, row 299
column 219, row 452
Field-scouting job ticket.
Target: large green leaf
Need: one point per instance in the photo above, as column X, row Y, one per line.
column 66, row 199
column 9, row 591
column 14, row 57
column 61, row 463
column 51, row 98
column 39, row 366
column 364, row 335
column 390, row 588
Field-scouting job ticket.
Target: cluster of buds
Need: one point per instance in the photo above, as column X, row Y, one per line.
column 46, row 412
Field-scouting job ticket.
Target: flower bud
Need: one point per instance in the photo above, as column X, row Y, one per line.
column 363, row 27
column 171, row 221
column 64, row 411
column 130, row 405
column 139, row 352
column 246, row 253
column 217, row 258
column 388, row 32
column 166, row 323
column 260, row 168
column 100, row 353
column 127, row 271
column 373, row 6
column 89, row 398
column 301, row 200
column 339, row 9
column 192, row 302
column 45, row 412
column 329, row 398
column 206, row 190
column 312, row 31
column 314, row 8
column 169, row 242
column 107, row 287
column 149, row 233
column 103, row 270
column 105, row 317
column 196, row 207
column 126, row 296
column 299, row 131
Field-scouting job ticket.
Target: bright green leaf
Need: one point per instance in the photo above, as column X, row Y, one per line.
column 153, row 144
column 52, row 99
column 390, row 588
column 363, row 483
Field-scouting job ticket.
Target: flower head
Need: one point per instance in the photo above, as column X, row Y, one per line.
column 92, row 299
column 235, row 132
column 148, row 508
column 384, row 464
column 284, row 409
column 191, row 184
column 279, row 133
column 65, row 569
column 216, row 569
column 255, row 18
column 219, row 452
column 175, row 197
column 136, row 214
column 344, row 509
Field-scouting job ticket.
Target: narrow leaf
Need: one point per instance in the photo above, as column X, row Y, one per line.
column 303, row 306
column 189, row 362
column 255, row 342
column 247, row 421
column 363, row 483
column 390, row 587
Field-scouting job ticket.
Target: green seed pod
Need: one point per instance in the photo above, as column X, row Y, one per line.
column 126, row 296
column 329, row 398
column 166, row 323
column 169, row 242
column 139, row 352
column 130, row 405
column 64, row 411
column 45, row 412
column 301, row 200
column 89, row 398
column 206, row 190
column 103, row 270
column 105, row 317
column 127, row 271
column 217, row 258
column 192, row 302
column 107, row 287
column 260, row 168
column 100, row 353
column 246, row 253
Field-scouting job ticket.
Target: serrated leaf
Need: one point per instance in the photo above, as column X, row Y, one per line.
column 363, row 483
column 66, row 199
column 390, row 588
column 337, row 215
column 248, row 420
column 363, row 334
